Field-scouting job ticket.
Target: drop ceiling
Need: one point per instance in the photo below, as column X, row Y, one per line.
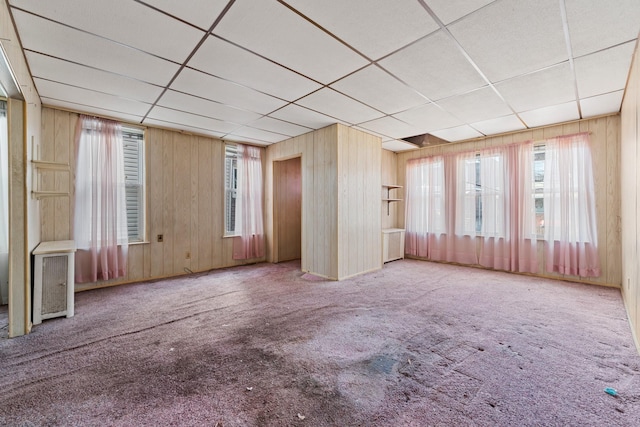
column 264, row 71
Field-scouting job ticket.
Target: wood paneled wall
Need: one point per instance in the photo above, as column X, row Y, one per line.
column 340, row 200
column 605, row 144
column 184, row 194
column 389, row 176
column 630, row 154
column 24, row 118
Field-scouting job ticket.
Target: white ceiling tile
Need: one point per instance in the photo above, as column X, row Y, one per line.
column 435, row 67
column 191, row 120
column 190, row 129
column 288, row 39
column 390, row 127
column 378, row 89
column 512, row 37
column 57, row 40
column 482, row 104
column 398, row 146
column 451, row 10
column 459, row 133
column 90, row 98
column 601, row 23
column 244, row 139
column 551, row 115
column 279, row 126
column 499, row 125
column 304, row 117
column 201, row 13
column 224, row 92
column 373, row 27
column 551, row 86
column 124, row 21
column 260, row 135
column 604, row 71
column 230, row 62
column 61, row 71
column 115, row 115
column 332, row 103
column 204, row 107
column 602, row 104
column 428, row 117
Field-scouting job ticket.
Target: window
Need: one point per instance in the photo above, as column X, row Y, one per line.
column 481, row 188
column 425, row 193
column 230, row 188
column 538, row 188
column 133, row 149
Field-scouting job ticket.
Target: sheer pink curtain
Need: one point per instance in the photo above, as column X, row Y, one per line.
column 461, row 233
column 425, row 213
column 508, row 216
column 100, row 218
column 249, row 220
column 570, row 232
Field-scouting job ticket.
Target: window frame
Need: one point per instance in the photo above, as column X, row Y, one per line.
column 141, row 182
column 230, row 183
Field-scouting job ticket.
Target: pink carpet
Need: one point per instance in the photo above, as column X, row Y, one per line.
column 414, row 344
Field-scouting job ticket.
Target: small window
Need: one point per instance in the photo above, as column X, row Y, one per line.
column 230, row 188
column 133, row 148
column 538, row 187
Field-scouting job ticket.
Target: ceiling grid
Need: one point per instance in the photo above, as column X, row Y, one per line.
column 262, row 72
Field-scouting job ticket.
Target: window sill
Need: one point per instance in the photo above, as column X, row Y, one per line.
column 228, row 236
column 141, row 242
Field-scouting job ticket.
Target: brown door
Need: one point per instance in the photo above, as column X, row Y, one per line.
column 288, row 209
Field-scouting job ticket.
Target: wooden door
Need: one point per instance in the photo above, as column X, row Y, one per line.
column 288, row 209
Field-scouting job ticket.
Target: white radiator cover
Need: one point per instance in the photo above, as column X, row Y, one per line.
column 53, row 280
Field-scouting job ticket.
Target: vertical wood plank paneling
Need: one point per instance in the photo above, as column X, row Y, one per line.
column 217, row 193
column 194, row 263
column 155, row 191
column 168, row 202
column 63, row 134
column 204, row 223
column 309, row 213
column 181, row 202
column 46, row 151
column 613, row 243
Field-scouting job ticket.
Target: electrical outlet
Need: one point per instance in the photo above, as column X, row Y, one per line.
column 160, row 238
column 187, row 255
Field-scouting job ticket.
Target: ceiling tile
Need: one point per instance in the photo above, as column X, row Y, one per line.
column 190, row 129
column 481, row 104
column 499, row 125
column 279, row 126
column 304, row 117
column 604, row 71
column 204, row 107
column 332, row 103
column 61, row 71
column 224, row 92
column 191, row 120
column 451, row 10
column 258, row 134
column 244, row 139
column 435, row 67
column 550, row 115
column 551, row 86
column 459, row 133
column 512, row 37
column 201, row 13
column 373, row 27
column 601, row 23
column 90, row 98
column 390, row 127
column 378, row 89
column 428, row 117
column 398, row 146
column 230, row 62
column 288, row 39
column 601, row 104
column 115, row 115
column 57, row 40
column 123, row 21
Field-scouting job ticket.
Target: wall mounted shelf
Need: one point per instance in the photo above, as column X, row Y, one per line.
column 40, row 166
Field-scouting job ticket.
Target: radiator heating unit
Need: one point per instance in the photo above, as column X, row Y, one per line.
column 54, row 282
